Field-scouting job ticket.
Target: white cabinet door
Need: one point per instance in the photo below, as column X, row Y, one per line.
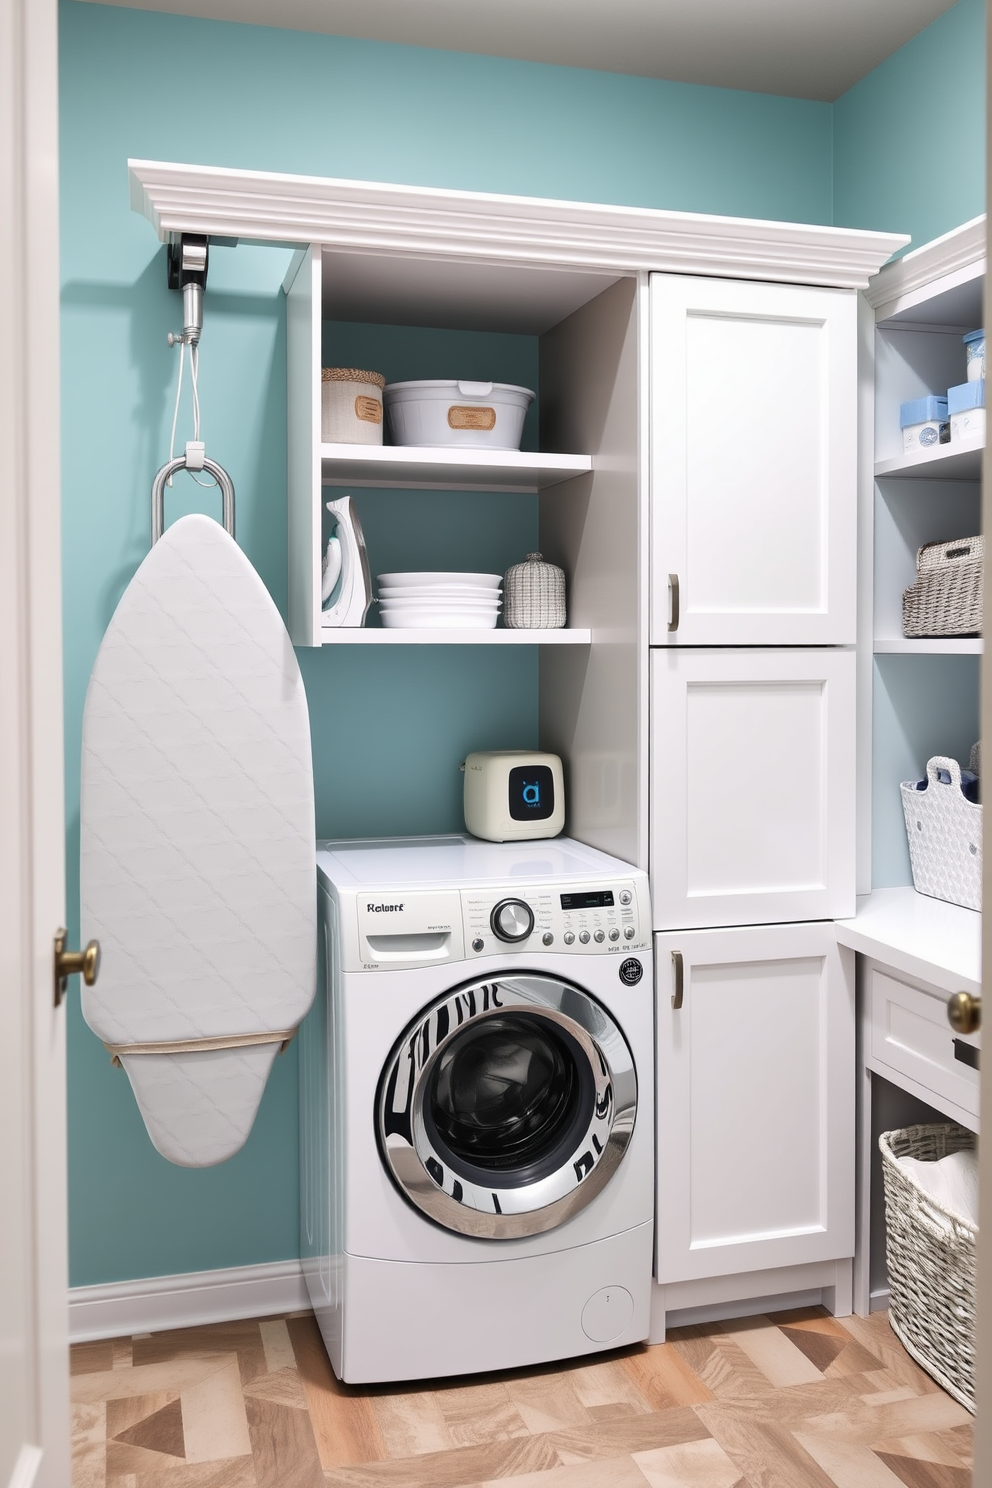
column 753, row 463
column 755, row 1100
column 752, row 786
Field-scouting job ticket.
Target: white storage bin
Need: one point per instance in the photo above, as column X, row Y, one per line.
column 350, row 406
column 480, row 415
column 945, row 836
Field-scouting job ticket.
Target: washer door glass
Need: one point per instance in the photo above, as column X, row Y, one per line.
column 507, row 1106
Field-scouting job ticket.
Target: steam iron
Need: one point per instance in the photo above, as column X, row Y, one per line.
column 346, row 584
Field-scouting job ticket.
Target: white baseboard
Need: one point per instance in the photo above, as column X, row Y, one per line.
column 879, row 1300
column 116, row 1308
column 719, row 1312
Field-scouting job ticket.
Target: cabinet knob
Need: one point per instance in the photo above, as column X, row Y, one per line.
column 964, row 1012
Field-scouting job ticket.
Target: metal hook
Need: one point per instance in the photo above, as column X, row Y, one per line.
column 219, row 474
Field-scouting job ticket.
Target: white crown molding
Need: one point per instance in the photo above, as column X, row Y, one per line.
column 118, row 1308
column 474, row 226
column 957, row 255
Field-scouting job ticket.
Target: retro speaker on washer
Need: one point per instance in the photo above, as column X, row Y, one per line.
column 512, row 794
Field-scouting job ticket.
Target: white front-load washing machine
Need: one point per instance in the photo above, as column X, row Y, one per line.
column 477, row 1144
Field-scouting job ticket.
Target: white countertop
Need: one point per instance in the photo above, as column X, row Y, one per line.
column 925, row 938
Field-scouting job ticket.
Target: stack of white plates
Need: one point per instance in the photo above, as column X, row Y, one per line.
column 439, row 601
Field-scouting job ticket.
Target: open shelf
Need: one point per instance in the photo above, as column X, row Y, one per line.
column 945, row 462
column 427, row 468
column 920, row 936
column 938, row 646
column 350, row 636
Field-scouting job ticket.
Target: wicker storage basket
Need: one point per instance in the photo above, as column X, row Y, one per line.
column 945, row 836
column 931, row 1256
column 534, row 595
column 350, row 406
column 946, row 599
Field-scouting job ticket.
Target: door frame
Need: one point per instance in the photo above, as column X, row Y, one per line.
column 34, row 1392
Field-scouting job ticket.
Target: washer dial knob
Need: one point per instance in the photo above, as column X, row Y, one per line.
column 512, row 920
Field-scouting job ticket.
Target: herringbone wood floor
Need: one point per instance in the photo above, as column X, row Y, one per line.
column 794, row 1400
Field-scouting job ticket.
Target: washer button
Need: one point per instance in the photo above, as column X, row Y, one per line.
column 614, row 934
column 625, row 896
column 569, row 938
column 547, row 938
column 477, row 944
column 600, row 936
column 584, row 936
column 629, row 933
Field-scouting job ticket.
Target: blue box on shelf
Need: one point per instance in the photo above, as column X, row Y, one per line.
column 928, row 410
column 966, row 409
column 924, row 423
column 966, row 395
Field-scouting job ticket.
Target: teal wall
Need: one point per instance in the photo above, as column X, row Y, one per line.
column 909, row 139
column 169, row 88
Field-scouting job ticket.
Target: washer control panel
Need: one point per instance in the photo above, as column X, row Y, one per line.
column 585, row 920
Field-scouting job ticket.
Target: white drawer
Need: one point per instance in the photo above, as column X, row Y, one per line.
column 911, row 1035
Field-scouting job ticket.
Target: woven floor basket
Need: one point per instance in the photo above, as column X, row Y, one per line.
column 931, row 1256
column 946, row 599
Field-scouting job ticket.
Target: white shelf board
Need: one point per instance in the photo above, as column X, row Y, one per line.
column 944, row 462
column 921, row 937
column 940, row 646
column 428, row 468
column 348, row 636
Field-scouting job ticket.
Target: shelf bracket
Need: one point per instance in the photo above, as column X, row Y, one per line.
column 186, row 267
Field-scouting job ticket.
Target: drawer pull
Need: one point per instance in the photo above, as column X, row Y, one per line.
column 967, row 1053
column 964, row 1012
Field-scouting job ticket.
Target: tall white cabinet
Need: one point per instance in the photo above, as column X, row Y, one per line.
column 752, row 784
column 696, row 480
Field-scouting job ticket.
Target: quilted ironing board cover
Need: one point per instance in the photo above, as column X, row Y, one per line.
column 197, row 858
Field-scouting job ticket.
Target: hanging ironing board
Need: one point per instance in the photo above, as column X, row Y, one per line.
column 197, row 841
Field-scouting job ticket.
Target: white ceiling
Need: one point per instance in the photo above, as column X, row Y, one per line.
column 803, row 48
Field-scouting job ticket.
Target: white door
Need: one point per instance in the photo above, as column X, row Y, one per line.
column 752, row 786
column 755, row 1100
column 753, row 463
column 34, row 1395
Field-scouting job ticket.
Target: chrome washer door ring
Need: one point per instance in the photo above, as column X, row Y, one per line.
column 507, row 1106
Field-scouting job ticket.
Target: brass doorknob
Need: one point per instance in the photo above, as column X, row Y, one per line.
column 964, row 1012
column 68, row 963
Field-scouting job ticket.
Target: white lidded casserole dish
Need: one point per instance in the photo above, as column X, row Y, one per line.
column 452, row 413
